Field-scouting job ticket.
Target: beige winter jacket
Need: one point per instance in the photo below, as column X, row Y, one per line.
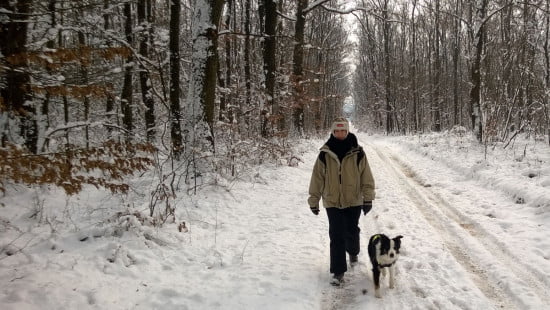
column 342, row 185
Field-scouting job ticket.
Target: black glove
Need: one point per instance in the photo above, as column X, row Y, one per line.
column 367, row 205
column 315, row 210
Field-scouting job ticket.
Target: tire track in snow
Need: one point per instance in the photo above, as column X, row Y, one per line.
column 471, row 245
column 438, row 222
column 527, row 273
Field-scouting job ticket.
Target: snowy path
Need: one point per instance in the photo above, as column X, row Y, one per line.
column 254, row 244
column 472, row 246
column 450, row 259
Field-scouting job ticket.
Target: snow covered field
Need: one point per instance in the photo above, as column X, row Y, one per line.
column 475, row 221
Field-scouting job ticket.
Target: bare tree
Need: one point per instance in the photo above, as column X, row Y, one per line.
column 15, row 94
column 247, row 54
column 547, row 68
column 127, row 89
column 85, row 81
column 175, row 109
column 297, row 70
column 225, row 79
column 110, row 102
column 270, row 63
column 456, row 63
column 387, row 69
column 436, row 108
column 414, row 69
column 145, row 22
column 204, row 62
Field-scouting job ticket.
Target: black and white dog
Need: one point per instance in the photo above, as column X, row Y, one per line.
column 383, row 253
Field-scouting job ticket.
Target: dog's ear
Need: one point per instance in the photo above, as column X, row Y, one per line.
column 375, row 240
column 397, row 241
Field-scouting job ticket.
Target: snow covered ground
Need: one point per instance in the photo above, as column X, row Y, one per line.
column 475, row 221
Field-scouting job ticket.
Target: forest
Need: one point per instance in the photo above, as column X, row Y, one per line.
column 94, row 90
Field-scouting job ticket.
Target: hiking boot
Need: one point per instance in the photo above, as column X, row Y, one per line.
column 353, row 259
column 337, row 279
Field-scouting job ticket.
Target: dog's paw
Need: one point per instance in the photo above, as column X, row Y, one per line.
column 392, row 285
column 377, row 295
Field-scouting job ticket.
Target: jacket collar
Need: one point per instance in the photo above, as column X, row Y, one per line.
column 353, row 150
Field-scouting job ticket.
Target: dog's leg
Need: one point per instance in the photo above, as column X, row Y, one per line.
column 392, row 276
column 376, row 277
column 384, row 272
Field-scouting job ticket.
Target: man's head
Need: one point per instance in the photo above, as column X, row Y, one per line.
column 340, row 128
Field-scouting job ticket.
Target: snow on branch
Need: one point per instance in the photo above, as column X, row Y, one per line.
column 321, row 3
column 346, row 11
column 314, row 5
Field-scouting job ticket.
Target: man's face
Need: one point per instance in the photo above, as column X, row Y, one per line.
column 340, row 134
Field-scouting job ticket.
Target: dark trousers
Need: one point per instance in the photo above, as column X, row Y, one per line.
column 344, row 236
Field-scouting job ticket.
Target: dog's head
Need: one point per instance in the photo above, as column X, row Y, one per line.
column 387, row 250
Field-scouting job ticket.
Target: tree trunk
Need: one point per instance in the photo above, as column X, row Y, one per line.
column 437, row 76
column 204, row 62
column 225, row 81
column 16, row 93
column 297, row 71
column 45, row 111
column 475, row 71
column 247, row 52
column 456, row 55
column 387, row 69
column 229, row 64
column 144, row 21
column 85, row 81
column 175, row 109
column 61, row 44
column 508, row 92
column 527, row 57
column 110, row 102
column 547, row 70
column 127, row 89
column 269, row 54
column 414, row 69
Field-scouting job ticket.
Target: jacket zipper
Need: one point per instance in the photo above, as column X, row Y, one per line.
column 340, row 180
column 340, row 172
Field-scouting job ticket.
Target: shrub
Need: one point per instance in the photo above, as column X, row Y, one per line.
column 102, row 166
